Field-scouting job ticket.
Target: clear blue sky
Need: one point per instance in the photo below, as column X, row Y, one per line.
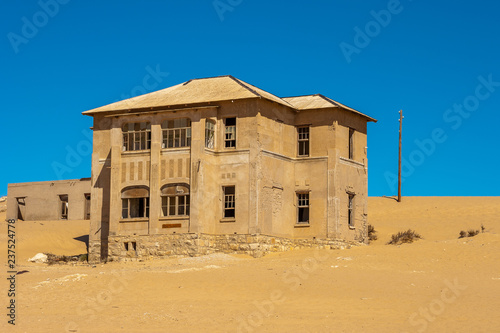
column 438, row 61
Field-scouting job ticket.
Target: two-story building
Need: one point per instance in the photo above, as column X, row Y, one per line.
column 217, row 164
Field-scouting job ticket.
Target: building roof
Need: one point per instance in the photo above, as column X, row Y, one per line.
column 318, row 101
column 214, row 89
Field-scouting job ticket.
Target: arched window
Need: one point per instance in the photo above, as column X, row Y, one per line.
column 135, row 202
column 176, row 133
column 175, row 200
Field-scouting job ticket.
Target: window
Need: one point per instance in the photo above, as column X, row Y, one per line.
column 209, row 133
column 175, row 200
column 302, row 207
column 87, row 206
column 136, row 136
column 229, row 202
column 135, row 202
column 351, row 143
column 64, row 206
column 21, row 208
column 230, row 133
column 350, row 210
column 176, row 133
column 303, row 140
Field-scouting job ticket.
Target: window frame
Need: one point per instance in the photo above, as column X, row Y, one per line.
column 210, row 133
column 87, row 206
column 140, row 137
column 230, row 143
column 304, row 141
column 181, row 136
column 128, row 197
column 226, row 199
column 166, row 200
column 64, row 206
column 303, row 196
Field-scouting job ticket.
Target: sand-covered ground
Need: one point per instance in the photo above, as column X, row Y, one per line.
column 438, row 284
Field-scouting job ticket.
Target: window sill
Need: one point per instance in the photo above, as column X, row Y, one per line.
column 135, row 152
column 138, row 219
column 302, row 225
column 228, row 220
column 178, row 217
column 352, row 227
column 187, row 148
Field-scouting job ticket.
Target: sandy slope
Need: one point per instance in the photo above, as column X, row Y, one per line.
column 438, row 284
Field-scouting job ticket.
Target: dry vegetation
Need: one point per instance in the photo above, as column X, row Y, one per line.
column 408, row 236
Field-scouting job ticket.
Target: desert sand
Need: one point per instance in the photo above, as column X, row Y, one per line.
column 437, row 284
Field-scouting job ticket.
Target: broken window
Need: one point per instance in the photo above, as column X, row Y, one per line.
column 350, row 210
column 229, row 201
column 209, row 133
column 135, row 202
column 87, row 206
column 230, row 133
column 303, row 140
column 175, row 200
column 64, row 206
column 302, row 207
column 136, row 136
column 176, row 133
column 351, row 143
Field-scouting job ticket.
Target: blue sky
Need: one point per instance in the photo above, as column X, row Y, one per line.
column 438, row 61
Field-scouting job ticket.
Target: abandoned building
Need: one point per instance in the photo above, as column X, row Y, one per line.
column 49, row 201
column 216, row 164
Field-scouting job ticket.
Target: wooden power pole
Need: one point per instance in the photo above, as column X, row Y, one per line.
column 399, row 168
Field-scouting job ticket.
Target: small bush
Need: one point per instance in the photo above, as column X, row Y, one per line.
column 471, row 232
column 372, row 233
column 408, row 236
column 83, row 257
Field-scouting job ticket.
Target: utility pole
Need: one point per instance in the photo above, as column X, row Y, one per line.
column 399, row 169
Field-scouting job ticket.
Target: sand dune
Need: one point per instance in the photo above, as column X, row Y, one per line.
column 438, row 284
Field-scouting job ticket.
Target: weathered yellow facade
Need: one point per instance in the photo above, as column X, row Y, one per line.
column 141, row 187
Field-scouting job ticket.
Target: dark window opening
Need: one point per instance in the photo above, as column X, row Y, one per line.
column 87, row 207
column 64, row 206
column 21, row 208
column 229, row 202
column 303, row 141
column 303, row 207
column 230, row 133
column 135, row 208
column 350, row 210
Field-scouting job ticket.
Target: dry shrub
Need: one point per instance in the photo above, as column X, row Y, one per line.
column 471, row 232
column 372, row 233
column 408, row 236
